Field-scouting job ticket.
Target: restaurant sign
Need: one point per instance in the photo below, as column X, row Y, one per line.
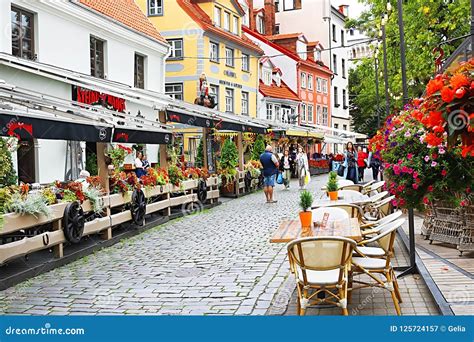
column 230, row 84
column 92, row 97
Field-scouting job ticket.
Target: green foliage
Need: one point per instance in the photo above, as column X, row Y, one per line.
column 34, row 205
column 49, row 196
column 306, row 200
column 91, row 164
column 5, row 199
column 7, row 173
column 427, row 23
column 95, row 197
column 229, row 155
column 175, row 175
column 332, row 184
column 200, row 154
column 258, row 147
column 69, row 196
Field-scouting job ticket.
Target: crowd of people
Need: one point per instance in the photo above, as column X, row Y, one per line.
column 294, row 163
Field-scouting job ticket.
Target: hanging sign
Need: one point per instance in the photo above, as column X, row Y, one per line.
column 92, row 97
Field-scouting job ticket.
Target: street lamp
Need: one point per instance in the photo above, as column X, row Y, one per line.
column 383, row 35
column 376, row 58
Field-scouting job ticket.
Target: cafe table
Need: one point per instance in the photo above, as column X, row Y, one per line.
column 290, row 230
column 344, row 197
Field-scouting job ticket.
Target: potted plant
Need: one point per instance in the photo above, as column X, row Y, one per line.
column 332, row 187
column 228, row 162
column 306, row 217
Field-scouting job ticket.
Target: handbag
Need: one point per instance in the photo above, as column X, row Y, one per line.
column 340, row 170
column 280, row 178
column 307, row 178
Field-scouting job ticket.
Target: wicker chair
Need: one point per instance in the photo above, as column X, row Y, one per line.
column 379, row 269
column 321, row 266
column 427, row 225
column 448, row 223
column 373, row 227
column 354, row 187
column 466, row 243
column 379, row 209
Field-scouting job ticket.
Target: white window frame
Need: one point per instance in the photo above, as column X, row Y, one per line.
column 245, row 62
column 260, row 24
column 214, row 91
column 325, row 86
column 319, row 114
column 173, row 50
column 173, row 94
column 303, row 80
column 319, row 88
column 235, row 25
column 217, row 16
column 156, row 10
column 325, row 116
column 334, row 63
column 245, row 103
column 226, row 21
column 270, row 111
column 303, row 112
column 310, row 113
column 267, row 77
column 310, row 82
column 277, row 112
column 229, row 57
column 229, row 100
column 214, row 54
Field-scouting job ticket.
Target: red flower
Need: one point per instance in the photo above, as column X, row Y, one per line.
column 447, row 94
column 458, row 81
column 435, row 119
column 430, row 188
column 433, row 140
column 426, row 200
column 415, row 186
column 460, row 93
column 434, row 86
column 444, row 173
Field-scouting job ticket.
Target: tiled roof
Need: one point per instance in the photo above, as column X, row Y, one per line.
column 201, row 17
column 285, row 51
column 282, row 92
column 285, row 36
column 126, row 12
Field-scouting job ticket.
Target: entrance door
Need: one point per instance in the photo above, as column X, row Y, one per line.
column 26, row 162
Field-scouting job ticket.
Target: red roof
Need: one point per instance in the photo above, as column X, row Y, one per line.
column 278, row 92
column 201, row 17
column 286, row 36
column 287, row 52
column 127, row 13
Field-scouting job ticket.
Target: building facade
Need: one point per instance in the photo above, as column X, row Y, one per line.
column 320, row 21
column 57, row 47
column 206, row 38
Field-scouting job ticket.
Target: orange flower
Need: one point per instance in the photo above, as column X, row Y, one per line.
column 434, row 86
column 435, row 119
column 433, row 140
column 447, row 94
column 458, row 81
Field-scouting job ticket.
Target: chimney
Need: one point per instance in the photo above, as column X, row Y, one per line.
column 252, row 25
column 269, row 17
column 344, row 10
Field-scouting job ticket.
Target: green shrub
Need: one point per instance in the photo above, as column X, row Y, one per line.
column 91, row 164
column 200, row 154
column 332, row 183
column 229, row 155
column 7, row 173
column 306, row 200
column 258, row 147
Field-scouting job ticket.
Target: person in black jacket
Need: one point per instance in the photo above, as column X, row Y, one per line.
column 287, row 164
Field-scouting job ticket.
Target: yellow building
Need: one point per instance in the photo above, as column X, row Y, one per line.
column 206, row 37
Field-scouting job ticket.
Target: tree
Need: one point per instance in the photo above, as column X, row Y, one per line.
column 200, row 154
column 7, row 173
column 229, row 155
column 258, row 147
column 427, row 23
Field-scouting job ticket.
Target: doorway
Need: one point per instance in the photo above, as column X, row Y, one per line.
column 26, row 161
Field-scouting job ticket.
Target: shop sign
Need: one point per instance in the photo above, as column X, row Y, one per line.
column 92, row 97
column 230, row 84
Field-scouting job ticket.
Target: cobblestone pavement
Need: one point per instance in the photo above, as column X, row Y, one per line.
column 216, row 262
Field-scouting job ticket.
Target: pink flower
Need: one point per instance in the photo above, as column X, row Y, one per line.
column 410, row 156
column 433, row 164
column 415, row 174
column 430, row 188
column 441, row 150
column 464, row 203
column 427, row 158
column 405, row 169
column 426, row 200
column 415, row 186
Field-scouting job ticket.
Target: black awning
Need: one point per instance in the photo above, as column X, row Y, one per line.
column 123, row 135
column 27, row 128
column 220, row 124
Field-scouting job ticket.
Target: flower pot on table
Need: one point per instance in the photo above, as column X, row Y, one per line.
column 333, row 195
column 306, row 218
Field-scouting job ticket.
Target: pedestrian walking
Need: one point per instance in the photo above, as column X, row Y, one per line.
column 302, row 168
column 361, row 163
column 376, row 165
column 270, row 170
column 287, row 164
column 139, row 170
column 351, row 170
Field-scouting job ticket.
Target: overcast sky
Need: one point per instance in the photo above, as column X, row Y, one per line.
column 355, row 8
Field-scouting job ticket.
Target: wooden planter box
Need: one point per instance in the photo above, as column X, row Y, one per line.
column 156, row 190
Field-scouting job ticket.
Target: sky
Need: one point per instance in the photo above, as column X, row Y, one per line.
column 355, row 8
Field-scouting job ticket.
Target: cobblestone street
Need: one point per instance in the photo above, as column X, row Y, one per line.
column 218, row 262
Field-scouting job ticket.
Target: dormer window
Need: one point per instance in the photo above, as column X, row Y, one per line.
column 217, row 16
column 267, row 77
column 278, row 79
column 317, row 55
column 260, row 25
